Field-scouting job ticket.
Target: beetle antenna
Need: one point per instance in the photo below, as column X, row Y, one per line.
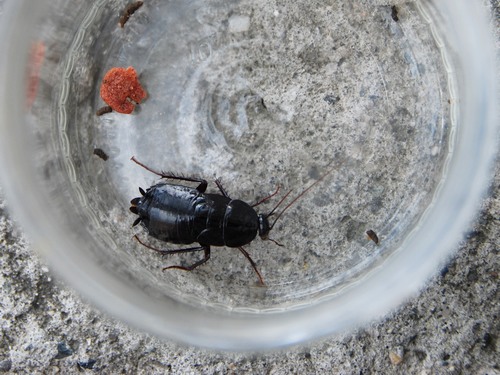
column 296, row 198
column 268, row 197
column 279, row 203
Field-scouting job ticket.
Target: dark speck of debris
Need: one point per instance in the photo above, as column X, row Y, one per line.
column 372, row 236
column 314, row 173
column 474, row 234
column 63, row 351
column 488, row 341
column 444, row 271
column 394, row 13
column 262, row 103
column 420, row 354
column 104, row 110
column 99, row 152
column 472, row 276
column 129, row 10
column 330, row 99
column 5, row 365
column 87, row 365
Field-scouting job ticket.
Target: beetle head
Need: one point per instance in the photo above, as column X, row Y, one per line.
column 264, row 226
column 133, row 208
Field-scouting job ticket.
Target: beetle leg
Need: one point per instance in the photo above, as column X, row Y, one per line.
column 202, row 186
column 244, row 252
column 193, row 266
column 276, row 242
column 221, row 188
column 168, row 251
column 180, row 251
column 202, row 183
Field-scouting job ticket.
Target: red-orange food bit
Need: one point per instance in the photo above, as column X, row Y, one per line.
column 121, row 89
column 37, row 54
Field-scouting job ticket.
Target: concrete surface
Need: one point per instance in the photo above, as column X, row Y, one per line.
column 451, row 327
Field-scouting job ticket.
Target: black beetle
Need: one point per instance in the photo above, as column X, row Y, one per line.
column 184, row 215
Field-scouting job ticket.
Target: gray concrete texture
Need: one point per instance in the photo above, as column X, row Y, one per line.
column 451, row 327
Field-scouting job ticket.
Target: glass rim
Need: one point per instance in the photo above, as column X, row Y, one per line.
column 402, row 274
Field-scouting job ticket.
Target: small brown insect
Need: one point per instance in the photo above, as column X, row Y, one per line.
column 99, row 152
column 129, row 10
column 372, row 236
column 103, row 110
column 394, row 13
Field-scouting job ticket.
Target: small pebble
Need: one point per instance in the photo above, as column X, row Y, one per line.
column 396, row 355
column 89, row 365
column 331, row 99
column 63, row 350
column 395, row 358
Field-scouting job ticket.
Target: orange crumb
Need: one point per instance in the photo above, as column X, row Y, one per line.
column 121, row 89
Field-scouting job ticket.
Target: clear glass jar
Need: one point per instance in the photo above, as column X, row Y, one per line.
column 393, row 106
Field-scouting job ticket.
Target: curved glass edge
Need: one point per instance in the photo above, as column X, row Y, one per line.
column 402, row 274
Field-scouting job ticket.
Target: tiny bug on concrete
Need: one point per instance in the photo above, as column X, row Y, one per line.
column 184, row 215
column 129, row 10
column 103, row 110
column 100, row 153
column 372, row 236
